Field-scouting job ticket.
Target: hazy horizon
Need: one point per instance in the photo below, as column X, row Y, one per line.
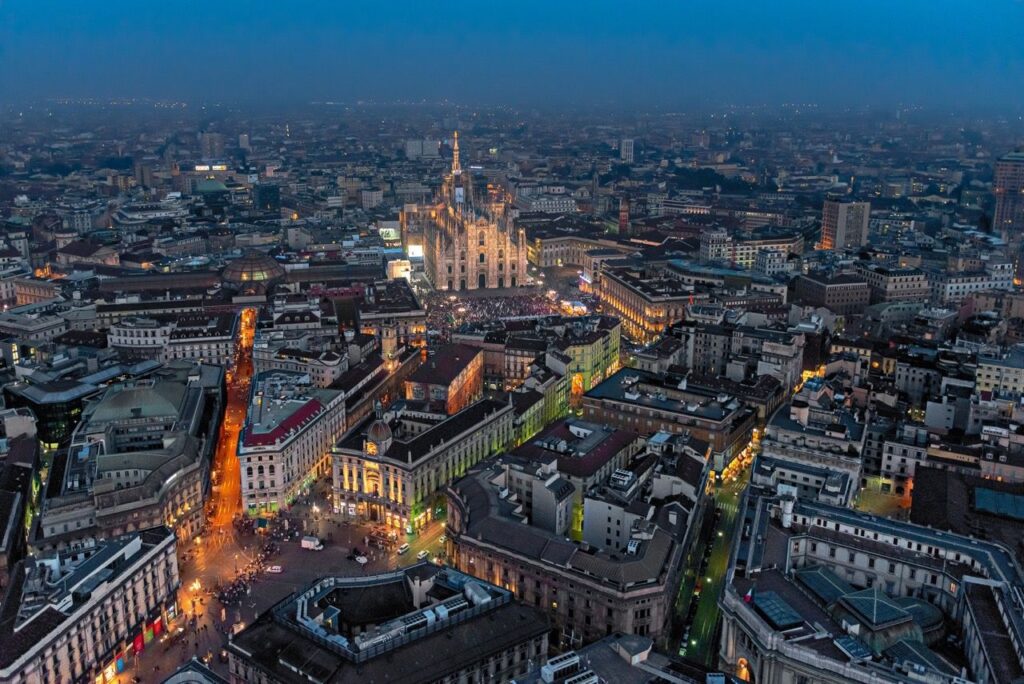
column 954, row 55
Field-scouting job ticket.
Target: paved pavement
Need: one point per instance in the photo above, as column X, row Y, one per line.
column 224, row 555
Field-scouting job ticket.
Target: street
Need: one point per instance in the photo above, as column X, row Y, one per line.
column 703, row 578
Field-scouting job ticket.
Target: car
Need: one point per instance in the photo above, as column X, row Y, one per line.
column 402, row 549
column 275, row 569
column 422, row 554
column 443, row 539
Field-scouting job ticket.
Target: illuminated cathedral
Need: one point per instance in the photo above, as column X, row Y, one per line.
column 469, row 241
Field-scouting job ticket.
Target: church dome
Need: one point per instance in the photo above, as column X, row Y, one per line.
column 252, row 269
column 379, row 433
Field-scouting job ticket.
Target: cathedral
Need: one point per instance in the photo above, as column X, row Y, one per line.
column 469, row 241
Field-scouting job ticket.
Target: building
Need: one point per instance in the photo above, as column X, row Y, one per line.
column 739, row 352
column 894, row 284
column 546, row 203
column 139, row 458
column 57, row 406
column 619, row 658
column 20, row 479
column 590, row 346
column 1008, row 218
column 626, row 150
column 391, row 467
column 645, row 305
column 816, row 433
column 646, row 403
column 33, row 327
column 587, row 592
column 196, row 337
column 844, row 224
column 423, row 623
column 470, row 241
column 1001, row 372
column 843, row 294
column 390, row 312
column 718, row 245
column 559, row 249
column 211, row 145
column 301, row 352
column 584, row 454
column 451, row 379
column 82, row 615
column 290, row 427
column 825, row 594
column 954, row 288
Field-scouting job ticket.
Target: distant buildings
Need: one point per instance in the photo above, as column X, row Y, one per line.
column 843, row 294
column 895, row 284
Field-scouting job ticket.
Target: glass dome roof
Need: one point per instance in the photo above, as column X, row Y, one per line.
column 252, row 268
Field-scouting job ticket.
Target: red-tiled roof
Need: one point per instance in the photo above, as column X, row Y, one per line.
column 299, row 418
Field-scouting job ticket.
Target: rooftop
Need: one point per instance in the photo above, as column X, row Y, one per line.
column 417, row 624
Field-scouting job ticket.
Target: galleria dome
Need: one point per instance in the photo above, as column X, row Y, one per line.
column 252, row 271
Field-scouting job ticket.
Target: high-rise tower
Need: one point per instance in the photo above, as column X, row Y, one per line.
column 1009, row 190
column 844, row 224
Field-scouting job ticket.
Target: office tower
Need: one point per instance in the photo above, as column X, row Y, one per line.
column 844, row 224
column 626, row 150
column 243, row 141
column 624, row 216
column 1009, row 189
column 211, row 145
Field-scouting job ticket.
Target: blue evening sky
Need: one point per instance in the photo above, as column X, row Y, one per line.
column 958, row 54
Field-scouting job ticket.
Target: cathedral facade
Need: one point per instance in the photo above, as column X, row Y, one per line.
column 469, row 240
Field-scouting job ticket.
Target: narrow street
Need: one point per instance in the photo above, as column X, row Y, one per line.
column 703, row 579
column 226, row 501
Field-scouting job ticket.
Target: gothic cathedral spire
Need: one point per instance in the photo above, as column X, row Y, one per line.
column 455, row 155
